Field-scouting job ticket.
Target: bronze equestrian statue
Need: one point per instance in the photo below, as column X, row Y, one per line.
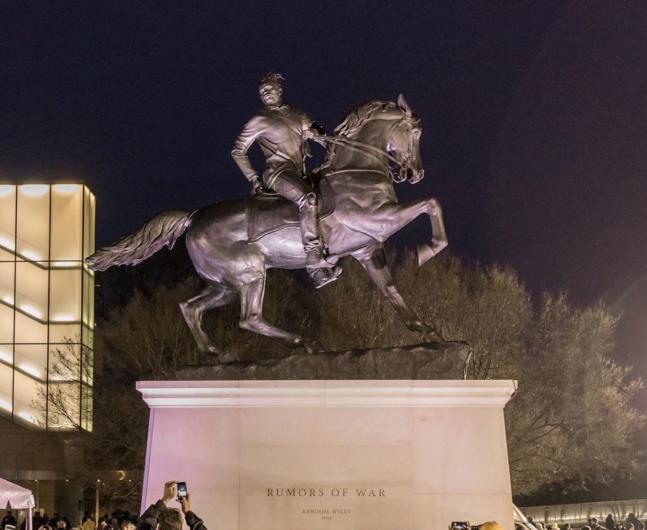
column 233, row 243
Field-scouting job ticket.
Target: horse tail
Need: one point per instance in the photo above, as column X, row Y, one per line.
column 162, row 230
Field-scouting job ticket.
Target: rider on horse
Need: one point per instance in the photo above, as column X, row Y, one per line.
column 282, row 133
column 377, row 145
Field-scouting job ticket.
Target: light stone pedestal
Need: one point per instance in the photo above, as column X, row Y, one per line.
column 332, row 455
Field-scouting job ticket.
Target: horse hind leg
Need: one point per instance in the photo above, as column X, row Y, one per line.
column 251, row 316
column 214, row 295
column 373, row 259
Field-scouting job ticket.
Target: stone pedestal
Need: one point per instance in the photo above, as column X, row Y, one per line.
column 332, row 454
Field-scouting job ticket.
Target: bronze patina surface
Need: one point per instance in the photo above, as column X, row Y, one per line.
column 376, row 146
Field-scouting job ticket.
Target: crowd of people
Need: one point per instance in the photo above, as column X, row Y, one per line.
column 630, row 523
column 162, row 516
column 42, row 521
column 158, row 516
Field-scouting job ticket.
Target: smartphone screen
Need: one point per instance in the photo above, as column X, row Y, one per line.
column 181, row 489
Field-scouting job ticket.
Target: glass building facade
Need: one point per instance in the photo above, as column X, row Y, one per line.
column 46, row 305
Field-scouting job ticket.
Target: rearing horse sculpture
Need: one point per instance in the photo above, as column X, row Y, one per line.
column 233, row 243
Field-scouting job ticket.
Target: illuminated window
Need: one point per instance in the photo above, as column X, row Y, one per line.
column 46, row 305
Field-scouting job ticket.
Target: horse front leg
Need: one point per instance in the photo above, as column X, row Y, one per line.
column 392, row 217
column 427, row 251
column 373, row 259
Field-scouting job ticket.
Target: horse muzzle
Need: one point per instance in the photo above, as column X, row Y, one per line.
column 407, row 174
column 415, row 175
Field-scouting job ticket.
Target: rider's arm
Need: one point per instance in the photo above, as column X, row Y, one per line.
column 252, row 130
column 311, row 129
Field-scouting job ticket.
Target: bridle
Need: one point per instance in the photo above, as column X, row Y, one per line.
column 405, row 164
column 400, row 172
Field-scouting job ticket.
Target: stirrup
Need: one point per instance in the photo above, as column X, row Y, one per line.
column 322, row 277
column 266, row 193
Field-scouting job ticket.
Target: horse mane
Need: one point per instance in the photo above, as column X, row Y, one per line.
column 354, row 121
column 359, row 115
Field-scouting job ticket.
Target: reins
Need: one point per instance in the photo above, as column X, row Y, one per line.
column 361, row 147
column 357, row 170
column 375, row 152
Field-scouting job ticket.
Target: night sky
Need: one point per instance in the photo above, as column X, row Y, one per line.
column 534, row 115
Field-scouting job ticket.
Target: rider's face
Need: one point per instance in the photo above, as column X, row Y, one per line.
column 270, row 94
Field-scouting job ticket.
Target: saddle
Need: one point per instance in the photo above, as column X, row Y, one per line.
column 269, row 212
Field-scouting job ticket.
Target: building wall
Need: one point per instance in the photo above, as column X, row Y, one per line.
column 46, row 337
column 46, row 305
column 29, row 454
column 41, row 461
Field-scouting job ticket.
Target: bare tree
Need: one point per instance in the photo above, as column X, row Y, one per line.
column 109, row 453
column 65, row 399
column 571, row 396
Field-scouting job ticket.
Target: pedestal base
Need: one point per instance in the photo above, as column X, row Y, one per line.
column 324, row 455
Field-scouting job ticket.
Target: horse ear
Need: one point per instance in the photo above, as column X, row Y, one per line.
column 403, row 105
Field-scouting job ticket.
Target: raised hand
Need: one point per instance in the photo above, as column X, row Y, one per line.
column 185, row 503
column 170, row 491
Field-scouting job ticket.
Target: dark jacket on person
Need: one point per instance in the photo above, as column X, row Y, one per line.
column 8, row 519
column 150, row 518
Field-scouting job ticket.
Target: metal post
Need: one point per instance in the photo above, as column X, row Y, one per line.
column 96, row 506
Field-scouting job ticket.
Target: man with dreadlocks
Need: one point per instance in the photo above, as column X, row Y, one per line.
column 282, row 133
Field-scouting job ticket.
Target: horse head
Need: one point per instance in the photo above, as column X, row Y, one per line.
column 383, row 134
column 403, row 143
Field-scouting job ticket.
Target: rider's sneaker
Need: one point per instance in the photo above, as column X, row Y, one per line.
column 321, row 277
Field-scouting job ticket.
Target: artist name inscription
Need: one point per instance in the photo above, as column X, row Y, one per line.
column 325, row 492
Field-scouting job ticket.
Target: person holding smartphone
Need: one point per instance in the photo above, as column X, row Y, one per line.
column 160, row 516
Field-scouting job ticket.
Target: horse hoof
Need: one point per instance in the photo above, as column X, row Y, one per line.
column 227, row 358
column 209, row 349
column 425, row 253
column 432, row 336
column 312, row 347
column 438, row 245
column 428, row 332
column 417, row 326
